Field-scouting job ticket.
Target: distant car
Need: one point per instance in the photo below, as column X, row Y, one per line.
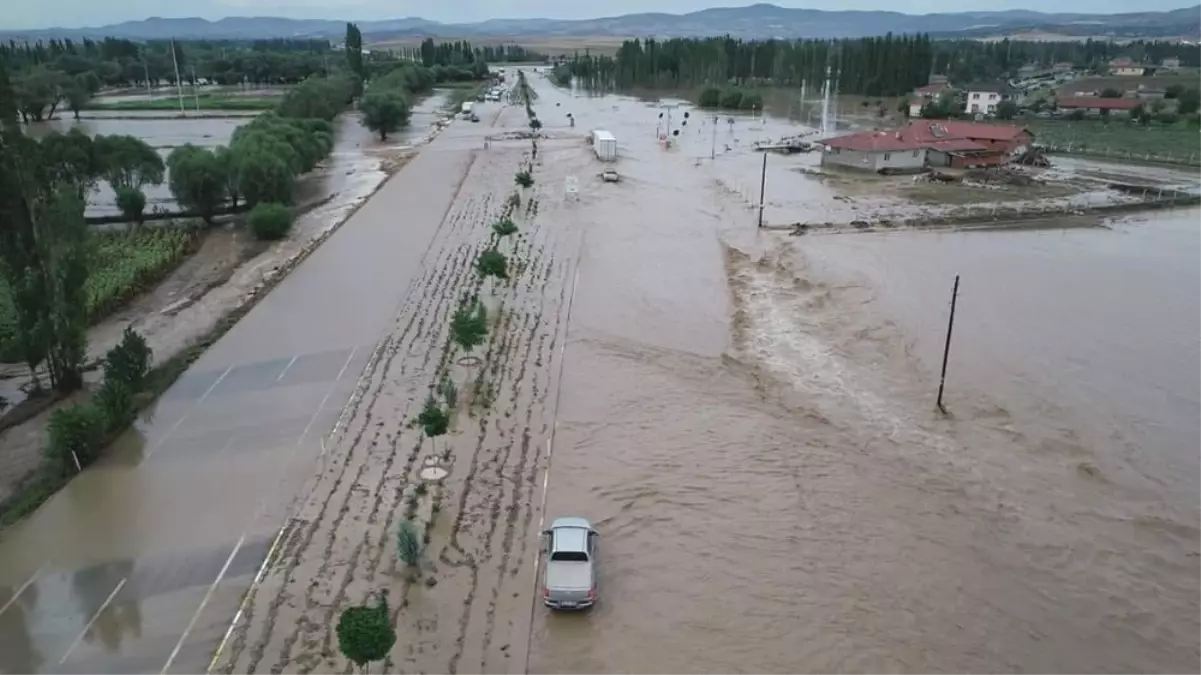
column 475, row 117
column 610, row 176
column 569, row 580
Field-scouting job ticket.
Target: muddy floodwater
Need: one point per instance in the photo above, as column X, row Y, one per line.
column 165, row 132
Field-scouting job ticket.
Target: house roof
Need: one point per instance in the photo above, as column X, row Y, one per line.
column 936, row 88
column 1087, row 102
column 944, row 135
column 873, row 141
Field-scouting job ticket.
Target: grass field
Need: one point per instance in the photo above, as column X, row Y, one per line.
column 122, row 265
column 203, row 102
column 1123, row 84
column 1177, row 143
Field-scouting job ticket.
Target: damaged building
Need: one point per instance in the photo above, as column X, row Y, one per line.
column 927, row 144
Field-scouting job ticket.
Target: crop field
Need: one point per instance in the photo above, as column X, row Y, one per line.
column 123, row 264
column 478, row 515
column 1177, row 143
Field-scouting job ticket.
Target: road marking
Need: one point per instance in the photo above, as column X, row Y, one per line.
column 359, row 388
column 207, row 596
column 170, row 432
column 25, row 585
column 285, row 370
column 91, row 621
column 321, row 406
column 258, row 578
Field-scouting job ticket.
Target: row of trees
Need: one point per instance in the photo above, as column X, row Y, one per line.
column 365, row 632
column 889, row 65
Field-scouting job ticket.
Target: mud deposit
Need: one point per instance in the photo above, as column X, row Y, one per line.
column 750, row 427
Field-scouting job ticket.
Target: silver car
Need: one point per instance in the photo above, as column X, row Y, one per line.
column 569, row 580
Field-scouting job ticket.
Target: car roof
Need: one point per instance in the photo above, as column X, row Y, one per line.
column 570, row 521
column 570, row 539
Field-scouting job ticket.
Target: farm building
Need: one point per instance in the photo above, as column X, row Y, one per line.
column 927, row 143
column 1096, row 105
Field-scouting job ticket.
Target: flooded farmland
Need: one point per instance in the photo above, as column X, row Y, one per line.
column 745, row 416
column 165, row 132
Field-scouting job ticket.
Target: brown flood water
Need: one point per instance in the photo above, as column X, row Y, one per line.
column 753, row 430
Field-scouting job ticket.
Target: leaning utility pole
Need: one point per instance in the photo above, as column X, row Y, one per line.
column 762, row 185
column 946, row 350
column 178, row 82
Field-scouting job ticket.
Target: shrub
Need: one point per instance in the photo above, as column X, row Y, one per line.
column 132, row 203
column 433, row 420
column 365, row 634
column 710, row 98
column 504, row 227
column 75, row 435
column 524, row 179
column 269, row 222
column 450, row 393
column 408, row 543
column 129, row 361
column 492, row 263
column 469, row 325
column 115, row 402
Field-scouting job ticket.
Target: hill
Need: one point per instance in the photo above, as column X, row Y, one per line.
column 754, row 21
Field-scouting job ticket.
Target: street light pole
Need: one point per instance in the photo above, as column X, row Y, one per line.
column 713, row 149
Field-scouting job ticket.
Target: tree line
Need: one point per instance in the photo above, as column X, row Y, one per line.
column 889, row 65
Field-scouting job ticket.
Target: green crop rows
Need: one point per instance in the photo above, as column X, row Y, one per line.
column 123, row 264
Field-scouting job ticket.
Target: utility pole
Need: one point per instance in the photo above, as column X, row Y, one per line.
column 713, row 149
column 146, row 69
column 762, row 185
column 195, row 89
column 946, row 350
column 178, row 82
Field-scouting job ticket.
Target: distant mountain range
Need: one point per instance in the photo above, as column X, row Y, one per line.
column 754, row 21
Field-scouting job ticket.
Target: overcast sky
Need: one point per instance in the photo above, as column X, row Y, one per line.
column 18, row 14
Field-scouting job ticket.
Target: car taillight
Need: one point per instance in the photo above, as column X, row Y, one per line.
column 592, row 594
column 545, row 591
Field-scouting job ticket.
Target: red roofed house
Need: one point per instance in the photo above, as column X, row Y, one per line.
column 1093, row 105
column 927, row 143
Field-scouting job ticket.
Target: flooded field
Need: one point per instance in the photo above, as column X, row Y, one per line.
column 746, row 417
column 164, row 132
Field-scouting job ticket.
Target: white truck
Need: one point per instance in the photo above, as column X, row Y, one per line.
column 604, row 144
column 467, row 105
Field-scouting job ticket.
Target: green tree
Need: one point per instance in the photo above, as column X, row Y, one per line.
column 269, row 222
column 65, row 242
column 492, row 263
column 524, row 179
column 433, row 419
column 469, row 324
column 128, row 161
column 263, row 177
column 1188, row 101
column 132, row 203
column 198, row 180
column 71, row 159
column 504, row 227
column 1006, row 110
column 408, row 543
column 74, row 437
column 129, row 360
column 365, row 633
column 384, row 112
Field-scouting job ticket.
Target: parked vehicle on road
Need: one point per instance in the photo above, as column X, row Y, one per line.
column 610, row 176
column 569, row 579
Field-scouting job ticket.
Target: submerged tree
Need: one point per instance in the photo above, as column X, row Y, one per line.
column 408, row 543
column 384, row 112
column 492, row 263
column 469, row 324
column 433, row 419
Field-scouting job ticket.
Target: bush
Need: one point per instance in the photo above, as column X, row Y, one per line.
column 75, row 434
column 129, row 361
column 115, row 403
column 365, row 634
column 132, row 203
column 408, row 543
column 710, row 98
column 269, row 222
column 524, row 179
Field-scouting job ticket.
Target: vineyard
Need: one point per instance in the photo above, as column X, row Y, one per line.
column 123, row 264
column 429, row 493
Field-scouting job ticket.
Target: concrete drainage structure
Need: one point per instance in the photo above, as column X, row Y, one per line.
column 433, row 469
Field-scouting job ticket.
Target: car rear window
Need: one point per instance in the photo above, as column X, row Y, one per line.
column 569, row 556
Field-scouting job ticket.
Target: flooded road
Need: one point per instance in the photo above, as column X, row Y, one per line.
column 749, row 420
column 746, row 417
column 139, row 564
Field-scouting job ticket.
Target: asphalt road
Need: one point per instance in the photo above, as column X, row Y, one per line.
column 139, row 564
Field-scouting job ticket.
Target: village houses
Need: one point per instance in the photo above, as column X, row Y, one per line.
column 983, row 98
column 927, row 143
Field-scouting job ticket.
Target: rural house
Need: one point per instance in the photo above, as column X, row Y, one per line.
column 1126, row 67
column 984, row 98
column 1096, row 105
column 927, row 143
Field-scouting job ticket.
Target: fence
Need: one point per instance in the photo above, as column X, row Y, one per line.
column 1192, row 158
